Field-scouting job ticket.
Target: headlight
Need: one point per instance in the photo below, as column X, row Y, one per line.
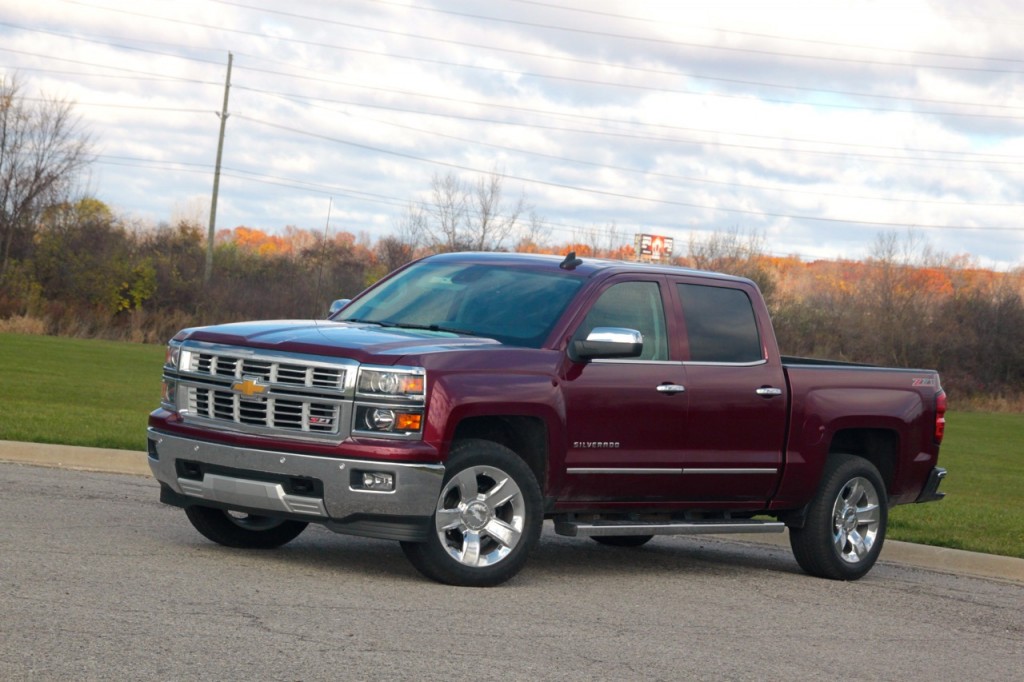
column 177, row 357
column 408, row 383
column 173, row 356
column 389, row 401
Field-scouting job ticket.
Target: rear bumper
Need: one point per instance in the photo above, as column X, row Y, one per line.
column 930, row 492
column 304, row 487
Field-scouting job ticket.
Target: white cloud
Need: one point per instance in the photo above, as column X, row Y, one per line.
column 820, row 123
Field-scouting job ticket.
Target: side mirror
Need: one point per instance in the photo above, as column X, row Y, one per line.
column 338, row 305
column 607, row 343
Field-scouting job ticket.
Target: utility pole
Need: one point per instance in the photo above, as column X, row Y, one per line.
column 208, row 270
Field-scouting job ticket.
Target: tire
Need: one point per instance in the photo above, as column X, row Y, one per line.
column 622, row 540
column 487, row 519
column 845, row 525
column 247, row 531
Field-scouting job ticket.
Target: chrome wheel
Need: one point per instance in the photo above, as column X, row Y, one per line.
column 844, row 527
column 856, row 517
column 488, row 516
column 480, row 516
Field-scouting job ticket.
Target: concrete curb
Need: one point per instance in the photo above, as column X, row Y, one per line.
column 74, row 457
column 904, row 553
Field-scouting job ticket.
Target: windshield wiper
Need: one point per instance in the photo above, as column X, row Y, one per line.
column 357, row 320
column 428, row 327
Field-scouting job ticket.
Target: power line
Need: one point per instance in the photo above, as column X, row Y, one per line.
column 671, row 176
column 790, row 39
column 990, row 159
column 678, row 43
column 617, row 66
column 619, row 195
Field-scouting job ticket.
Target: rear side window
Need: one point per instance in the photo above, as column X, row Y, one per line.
column 720, row 324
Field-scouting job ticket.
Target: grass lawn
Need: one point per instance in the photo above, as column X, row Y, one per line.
column 97, row 393
column 77, row 392
column 984, row 506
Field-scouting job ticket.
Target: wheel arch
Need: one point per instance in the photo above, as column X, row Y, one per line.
column 527, row 436
column 881, row 447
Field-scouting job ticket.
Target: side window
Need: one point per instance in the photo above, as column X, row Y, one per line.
column 720, row 324
column 633, row 305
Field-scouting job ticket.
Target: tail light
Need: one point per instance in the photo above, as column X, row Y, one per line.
column 940, row 416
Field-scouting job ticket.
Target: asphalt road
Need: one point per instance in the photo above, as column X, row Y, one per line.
column 98, row 580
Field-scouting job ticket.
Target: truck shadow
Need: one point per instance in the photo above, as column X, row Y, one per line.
column 675, row 555
column 554, row 557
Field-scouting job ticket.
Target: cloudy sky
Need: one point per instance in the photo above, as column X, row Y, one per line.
column 817, row 124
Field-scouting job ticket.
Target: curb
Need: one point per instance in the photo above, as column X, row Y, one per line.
column 74, row 457
column 136, row 463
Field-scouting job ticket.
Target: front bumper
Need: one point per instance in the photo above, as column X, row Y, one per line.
column 305, row 487
column 930, row 492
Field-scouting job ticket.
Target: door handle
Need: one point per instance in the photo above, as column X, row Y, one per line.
column 768, row 391
column 671, row 389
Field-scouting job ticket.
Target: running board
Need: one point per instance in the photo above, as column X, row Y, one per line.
column 604, row 528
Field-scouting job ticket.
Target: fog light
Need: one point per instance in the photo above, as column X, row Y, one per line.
column 375, row 480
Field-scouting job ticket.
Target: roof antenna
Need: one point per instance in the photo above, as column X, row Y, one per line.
column 571, row 262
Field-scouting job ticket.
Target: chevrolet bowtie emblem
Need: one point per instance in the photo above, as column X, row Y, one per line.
column 249, row 387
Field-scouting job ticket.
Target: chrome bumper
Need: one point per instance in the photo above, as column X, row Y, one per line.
column 307, row 487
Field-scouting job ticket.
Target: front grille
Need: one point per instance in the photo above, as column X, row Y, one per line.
column 274, row 413
column 267, row 393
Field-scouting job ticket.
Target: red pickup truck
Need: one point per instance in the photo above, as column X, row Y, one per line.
column 465, row 398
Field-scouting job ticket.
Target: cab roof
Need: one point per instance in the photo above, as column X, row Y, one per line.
column 585, row 266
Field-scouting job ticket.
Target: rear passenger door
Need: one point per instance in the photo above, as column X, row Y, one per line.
column 736, row 392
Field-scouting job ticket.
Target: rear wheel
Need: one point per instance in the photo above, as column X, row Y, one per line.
column 622, row 540
column 248, row 531
column 845, row 526
column 487, row 518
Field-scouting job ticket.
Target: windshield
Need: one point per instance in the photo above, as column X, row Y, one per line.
column 512, row 305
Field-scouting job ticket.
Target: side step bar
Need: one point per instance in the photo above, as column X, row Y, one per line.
column 590, row 529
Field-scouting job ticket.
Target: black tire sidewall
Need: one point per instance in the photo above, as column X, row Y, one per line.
column 216, row 525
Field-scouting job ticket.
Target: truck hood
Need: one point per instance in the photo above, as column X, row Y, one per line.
column 337, row 339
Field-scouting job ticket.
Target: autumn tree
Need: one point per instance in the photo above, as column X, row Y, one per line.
column 42, row 151
column 899, row 297
column 85, row 260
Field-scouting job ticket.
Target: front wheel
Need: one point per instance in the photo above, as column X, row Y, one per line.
column 845, row 526
column 487, row 518
column 247, row 531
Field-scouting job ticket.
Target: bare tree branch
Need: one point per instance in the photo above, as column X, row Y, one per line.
column 42, row 151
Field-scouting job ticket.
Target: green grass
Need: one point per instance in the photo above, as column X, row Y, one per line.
column 77, row 392
column 984, row 506
column 97, row 393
